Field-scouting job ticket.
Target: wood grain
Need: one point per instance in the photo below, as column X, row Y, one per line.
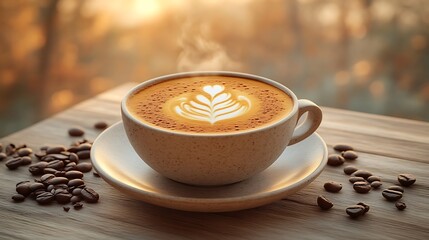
column 386, row 146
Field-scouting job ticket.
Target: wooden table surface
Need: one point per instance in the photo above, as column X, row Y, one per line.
column 386, row 146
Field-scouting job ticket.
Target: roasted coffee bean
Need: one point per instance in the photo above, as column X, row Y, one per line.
column 396, row 188
column 70, row 166
column 25, row 160
column 61, row 186
column 366, row 206
column 400, row 205
column 76, row 191
column 373, row 178
column 37, row 168
column 356, row 179
column 60, row 173
column 349, row 155
column 73, row 157
column 77, row 206
column 55, row 156
column 58, row 180
column 96, row 174
column 76, row 132
column 63, row 197
column 37, row 192
column 89, row 195
column 324, row 203
column 406, row 179
column 350, row 169
column 85, row 154
column 10, row 149
column 75, row 199
column 55, row 149
column 72, row 149
column 391, row 195
column 362, row 173
column 333, row 186
column 56, row 164
column 24, row 152
column 23, row 188
column 75, row 182
column 46, row 177
column 14, row 163
column 376, row 184
column 100, row 125
column 66, row 208
column 84, row 146
column 355, row 211
column 40, row 155
column 50, row 170
column 84, row 167
column 18, row 197
column 50, row 188
column 335, row 160
column 2, row 156
column 44, row 198
column 343, row 147
column 74, row 174
column 361, row 187
column 35, row 186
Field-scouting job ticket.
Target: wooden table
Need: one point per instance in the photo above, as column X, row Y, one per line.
column 386, row 146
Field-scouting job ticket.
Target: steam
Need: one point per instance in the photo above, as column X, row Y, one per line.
column 199, row 53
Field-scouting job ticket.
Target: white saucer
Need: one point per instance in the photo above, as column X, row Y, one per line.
column 118, row 164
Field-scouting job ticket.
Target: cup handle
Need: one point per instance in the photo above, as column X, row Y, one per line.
column 310, row 124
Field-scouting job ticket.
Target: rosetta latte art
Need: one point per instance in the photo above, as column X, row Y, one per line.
column 212, row 105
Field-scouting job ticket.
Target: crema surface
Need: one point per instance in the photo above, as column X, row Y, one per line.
column 210, row 104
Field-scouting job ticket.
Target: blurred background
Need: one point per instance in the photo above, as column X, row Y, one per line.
column 363, row 55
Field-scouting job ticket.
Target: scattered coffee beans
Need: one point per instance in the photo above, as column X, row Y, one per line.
column 14, row 163
column 324, row 203
column 66, row 208
column 349, row 155
column 406, row 179
column 355, row 211
column 76, row 132
column 85, row 154
column 23, row 188
column 100, row 125
column 18, row 198
column 366, row 206
column 361, row 187
column 45, row 198
column 356, row 179
column 396, row 188
column 342, row 147
column 24, row 152
column 333, row 187
column 391, row 195
column 373, row 178
column 400, row 205
column 84, row 167
column 2, row 156
column 350, row 169
column 362, row 173
column 89, row 195
column 73, row 174
column 77, row 205
column 335, row 160
column 376, row 184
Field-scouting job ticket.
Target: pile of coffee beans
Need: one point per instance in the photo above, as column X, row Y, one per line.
column 363, row 182
column 59, row 171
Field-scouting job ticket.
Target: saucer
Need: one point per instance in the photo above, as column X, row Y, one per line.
column 117, row 163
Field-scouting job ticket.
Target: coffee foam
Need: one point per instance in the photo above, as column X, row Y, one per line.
column 210, row 104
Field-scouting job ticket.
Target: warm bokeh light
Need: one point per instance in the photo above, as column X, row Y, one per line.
column 62, row 99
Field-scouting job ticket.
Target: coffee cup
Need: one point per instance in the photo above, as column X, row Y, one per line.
column 214, row 128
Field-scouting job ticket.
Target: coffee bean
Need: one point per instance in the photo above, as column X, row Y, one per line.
column 76, row 191
column 40, row 155
column 324, row 203
column 58, row 180
column 2, row 156
column 335, row 160
column 24, row 152
column 356, row 179
column 74, row 174
column 400, row 205
column 37, row 168
column 46, row 177
column 23, row 188
column 70, row 166
column 50, row 188
column 373, row 178
column 333, row 187
column 406, row 179
column 35, row 186
column 349, row 155
column 76, row 132
column 350, row 169
column 10, row 149
column 77, row 206
column 376, row 184
column 84, row 167
column 60, row 173
column 396, row 188
column 44, row 198
column 85, row 154
column 56, row 164
column 63, row 197
column 66, row 208
column 391, row 195
column 75, row 199
column 36, row 193
column 366, row 206
column 73, row 149
column 18, row 197
column 25, row 160
column 343, row 147
column 84, row 146
column 100, row 125
column 55, row 156
column 14, row 163
column 74, row 158
column 89, row 195
column 362, row 173
column 61, row 186
column 75, row 182
column 361, row 187
column 355, row 211
column 55, row 149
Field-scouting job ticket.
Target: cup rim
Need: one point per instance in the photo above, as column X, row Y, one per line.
column 163, row 78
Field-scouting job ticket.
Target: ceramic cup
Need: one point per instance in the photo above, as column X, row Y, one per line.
column 221, row 158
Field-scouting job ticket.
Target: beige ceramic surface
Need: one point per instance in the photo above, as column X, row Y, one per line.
column 118, row 164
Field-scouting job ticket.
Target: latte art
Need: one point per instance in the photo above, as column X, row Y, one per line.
column 213, row 105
